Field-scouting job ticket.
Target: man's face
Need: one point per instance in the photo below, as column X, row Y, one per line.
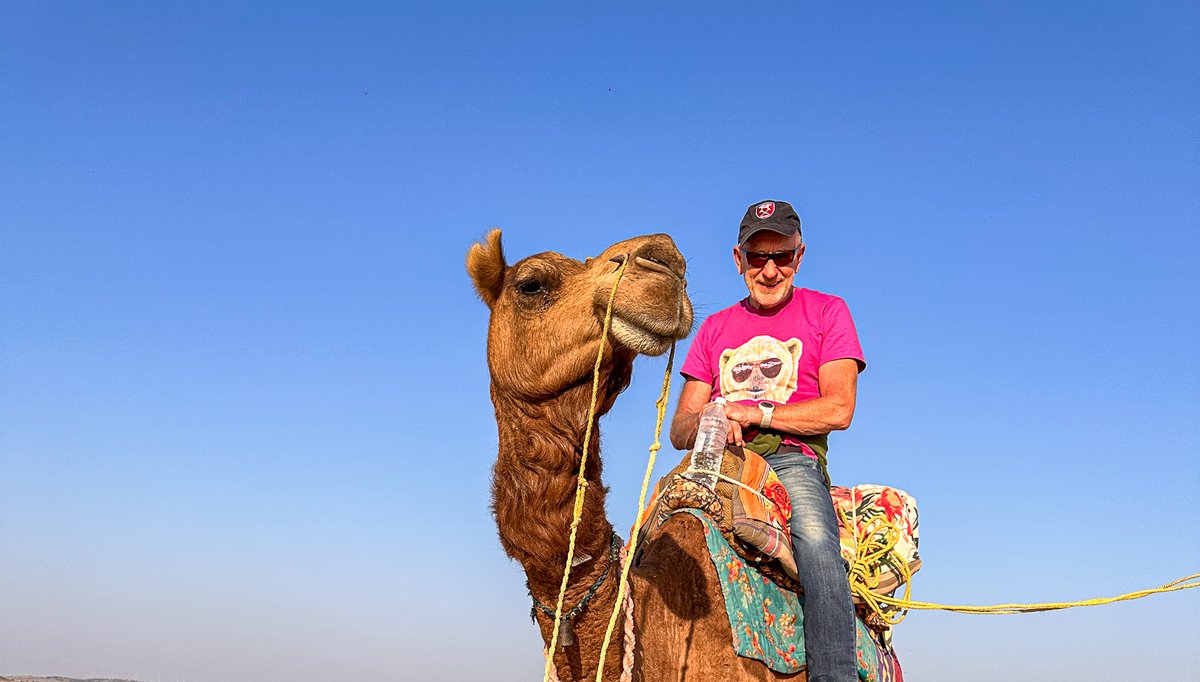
column 769, row 284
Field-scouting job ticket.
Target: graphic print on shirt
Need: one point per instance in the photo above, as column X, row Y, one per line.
column 763, row 368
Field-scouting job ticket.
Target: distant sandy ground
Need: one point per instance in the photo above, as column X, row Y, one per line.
column 27, row 678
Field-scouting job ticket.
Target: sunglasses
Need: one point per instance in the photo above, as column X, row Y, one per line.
column 782, row 259
column 770, row 368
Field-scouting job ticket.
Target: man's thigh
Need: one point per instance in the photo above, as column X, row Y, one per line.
column 813, row 519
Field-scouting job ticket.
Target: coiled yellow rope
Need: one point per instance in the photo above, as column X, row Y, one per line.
column 581, row 483
column 875, row 550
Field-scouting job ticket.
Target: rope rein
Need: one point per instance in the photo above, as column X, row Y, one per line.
column 581, row 482
column 630, row 550
column 1184, row 583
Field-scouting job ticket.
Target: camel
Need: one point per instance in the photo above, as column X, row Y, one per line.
column 547, row 312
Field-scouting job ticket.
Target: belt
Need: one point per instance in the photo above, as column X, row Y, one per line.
column 788, row 448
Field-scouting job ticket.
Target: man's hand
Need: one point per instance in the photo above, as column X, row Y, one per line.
column 692, row 401
column 740, row 416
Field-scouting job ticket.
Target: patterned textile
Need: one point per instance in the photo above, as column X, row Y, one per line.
column 755, row 521
column 762, row 513
column 767, row 622
column 862, row 510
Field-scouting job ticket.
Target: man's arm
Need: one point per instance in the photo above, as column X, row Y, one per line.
column 692, row 399
column 832, row 411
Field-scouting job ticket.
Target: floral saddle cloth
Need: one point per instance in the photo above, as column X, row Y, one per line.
column 767, row 621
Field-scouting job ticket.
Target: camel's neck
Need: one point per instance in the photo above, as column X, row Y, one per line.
column 534, row 482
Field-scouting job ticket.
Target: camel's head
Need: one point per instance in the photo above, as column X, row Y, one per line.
column 548, row 310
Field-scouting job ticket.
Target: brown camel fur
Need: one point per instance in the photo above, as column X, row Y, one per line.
column 547, row 313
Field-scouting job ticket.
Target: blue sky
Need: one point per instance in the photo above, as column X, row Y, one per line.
column 244, row 425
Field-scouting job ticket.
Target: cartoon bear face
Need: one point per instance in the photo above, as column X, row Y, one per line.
column 763, row 368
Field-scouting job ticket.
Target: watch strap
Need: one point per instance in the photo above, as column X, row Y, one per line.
column 768, row 410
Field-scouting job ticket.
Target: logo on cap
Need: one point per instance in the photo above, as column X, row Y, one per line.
column 765, row 210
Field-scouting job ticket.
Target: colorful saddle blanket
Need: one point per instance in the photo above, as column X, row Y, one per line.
column 768, row 623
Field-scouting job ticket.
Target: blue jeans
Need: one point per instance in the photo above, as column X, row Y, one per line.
column 828, row 609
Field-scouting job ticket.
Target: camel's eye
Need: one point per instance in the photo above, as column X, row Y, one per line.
column 531, row 287
column 535, row 286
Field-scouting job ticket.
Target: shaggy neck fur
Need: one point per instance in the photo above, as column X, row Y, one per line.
column 534, row 479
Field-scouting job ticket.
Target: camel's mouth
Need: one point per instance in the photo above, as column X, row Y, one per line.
column 639, row 339
column 650, row 308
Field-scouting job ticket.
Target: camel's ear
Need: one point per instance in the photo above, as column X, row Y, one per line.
column 485, row 263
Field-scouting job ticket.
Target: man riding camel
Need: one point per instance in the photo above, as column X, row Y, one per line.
column 786, row 360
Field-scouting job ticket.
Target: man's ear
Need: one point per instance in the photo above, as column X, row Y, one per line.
column 485, row 264
column 737, row 260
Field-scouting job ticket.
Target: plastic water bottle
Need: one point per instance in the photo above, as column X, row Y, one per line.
column 710, row 443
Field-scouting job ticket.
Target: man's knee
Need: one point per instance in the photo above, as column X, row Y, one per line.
column 814, row 539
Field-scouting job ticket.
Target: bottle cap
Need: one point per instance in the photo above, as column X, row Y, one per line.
column 720, row 400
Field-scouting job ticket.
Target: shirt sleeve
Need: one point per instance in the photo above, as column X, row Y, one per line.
column 698, row 363
column 841, row 338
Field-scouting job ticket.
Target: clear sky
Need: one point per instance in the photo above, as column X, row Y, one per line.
column 245, row 433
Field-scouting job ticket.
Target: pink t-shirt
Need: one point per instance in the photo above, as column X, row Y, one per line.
column 749, row 356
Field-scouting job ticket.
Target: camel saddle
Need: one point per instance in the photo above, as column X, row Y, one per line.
column 753, row 515
column 745, row 524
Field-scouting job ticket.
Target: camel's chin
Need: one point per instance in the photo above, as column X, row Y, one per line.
column 638, row 338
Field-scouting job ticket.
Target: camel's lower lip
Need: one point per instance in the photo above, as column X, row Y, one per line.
column 641, row 329
column 639, row 338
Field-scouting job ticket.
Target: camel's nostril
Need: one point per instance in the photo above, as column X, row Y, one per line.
column 651, row 263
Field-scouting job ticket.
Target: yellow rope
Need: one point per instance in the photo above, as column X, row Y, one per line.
column 661, row 404
column 581, row 484
column 1184, row 583
column 876, row 549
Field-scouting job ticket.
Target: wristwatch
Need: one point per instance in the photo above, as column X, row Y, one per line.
column 768, row 409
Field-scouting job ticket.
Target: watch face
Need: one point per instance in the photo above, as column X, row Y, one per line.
column 767, row 406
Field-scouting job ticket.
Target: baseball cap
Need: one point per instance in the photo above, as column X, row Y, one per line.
column 776, row 216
